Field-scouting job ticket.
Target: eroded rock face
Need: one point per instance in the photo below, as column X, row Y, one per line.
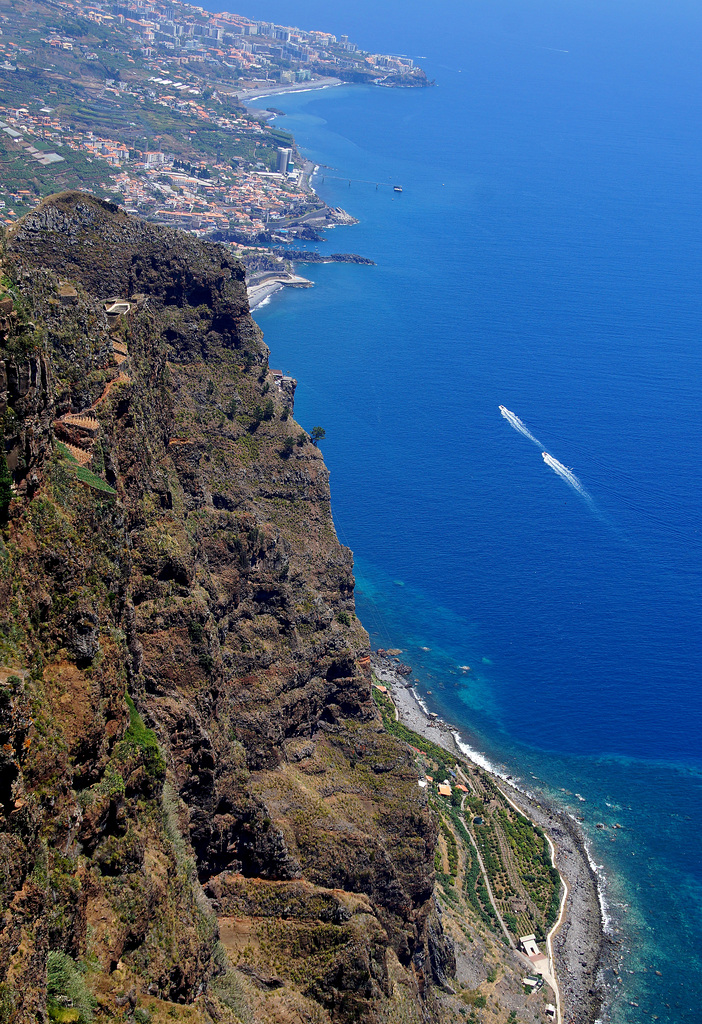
column 26, row 407
column 84, row 635
column 211, row 585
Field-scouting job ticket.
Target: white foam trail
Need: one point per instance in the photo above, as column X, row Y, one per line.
column 515, row 422
column 483, row 762
column 598, row 871
column 475, row 756
column 263, row 302
column 565, row 474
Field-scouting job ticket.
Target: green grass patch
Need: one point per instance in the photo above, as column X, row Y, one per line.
column 69, row 999
column 387, row 709
column 92, row 480
column 82, row 473
column 139, row 738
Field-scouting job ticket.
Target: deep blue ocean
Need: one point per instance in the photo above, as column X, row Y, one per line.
column 545, row 255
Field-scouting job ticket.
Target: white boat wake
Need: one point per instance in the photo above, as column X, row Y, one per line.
column 558, row 468
column 565, row 474
column 515, row 422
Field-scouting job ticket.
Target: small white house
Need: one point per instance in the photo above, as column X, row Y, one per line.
column 529, row 946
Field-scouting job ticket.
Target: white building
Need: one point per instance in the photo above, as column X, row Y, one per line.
column 284, row 158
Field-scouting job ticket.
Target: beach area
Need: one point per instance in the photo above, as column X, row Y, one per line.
column 258, row 294
column 259, row 291
column 580, row 951
column 579, row 618
column 249, row 97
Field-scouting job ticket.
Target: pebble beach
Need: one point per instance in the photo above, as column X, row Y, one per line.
column 580, row 947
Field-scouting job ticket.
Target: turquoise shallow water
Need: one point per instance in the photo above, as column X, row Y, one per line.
column 544, row 255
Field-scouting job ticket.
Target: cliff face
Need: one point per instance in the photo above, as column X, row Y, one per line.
column 190, row 751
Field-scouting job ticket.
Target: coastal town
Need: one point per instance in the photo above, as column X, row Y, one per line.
column 145, row 104
column 168, row 111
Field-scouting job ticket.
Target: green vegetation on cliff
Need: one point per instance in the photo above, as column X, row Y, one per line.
column 203, row 814
column 187, row 726
column 516, row 857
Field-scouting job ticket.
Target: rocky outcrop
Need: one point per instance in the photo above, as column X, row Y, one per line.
column 26, row 406
column 305, row 256
column 192, row 745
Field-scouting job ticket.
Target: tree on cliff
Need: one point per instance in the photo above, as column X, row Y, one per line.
column 317, row 434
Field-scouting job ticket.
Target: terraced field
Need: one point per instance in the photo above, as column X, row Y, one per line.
column 516, row 890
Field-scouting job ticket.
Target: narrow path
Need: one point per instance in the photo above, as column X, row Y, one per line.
column 559, row 921
column 121, row 378
column 88, row 420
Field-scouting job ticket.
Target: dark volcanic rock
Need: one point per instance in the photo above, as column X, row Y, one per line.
column 303, row 256
column 192, row 565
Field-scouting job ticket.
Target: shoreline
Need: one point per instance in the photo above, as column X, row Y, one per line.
column 577, row 943
column 579, row 948
column 259, row 292
column 330, row 216
column 246, row 96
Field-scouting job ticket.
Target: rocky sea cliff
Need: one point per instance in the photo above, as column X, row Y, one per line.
column 203, row 816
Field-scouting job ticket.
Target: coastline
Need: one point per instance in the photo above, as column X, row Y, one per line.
column 259, row 292
column 247, row 96
column 577, row 943
column 578, row 947
column 636, row 859
column 328, row 217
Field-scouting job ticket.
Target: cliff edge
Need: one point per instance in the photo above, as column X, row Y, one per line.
column 201, row 816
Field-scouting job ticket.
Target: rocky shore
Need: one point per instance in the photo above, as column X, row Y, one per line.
column 580, row 947
column 305, row 256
